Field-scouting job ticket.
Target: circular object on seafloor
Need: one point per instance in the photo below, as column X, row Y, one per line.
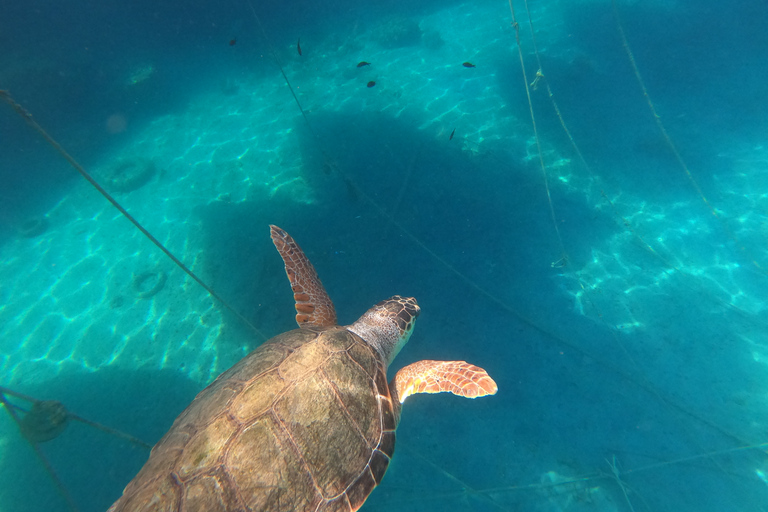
column 147, row 284
column 129, row 174
column 32, row 227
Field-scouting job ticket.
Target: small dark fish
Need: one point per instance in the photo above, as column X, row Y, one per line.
column 469, row 65
column 451, row 137
column 232, row 42
column 371, row 83
column 298, row 46
column 363, row 63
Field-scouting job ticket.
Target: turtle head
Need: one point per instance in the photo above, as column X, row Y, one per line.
column 388, row 325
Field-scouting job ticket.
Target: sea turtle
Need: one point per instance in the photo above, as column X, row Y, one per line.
column 306, row 422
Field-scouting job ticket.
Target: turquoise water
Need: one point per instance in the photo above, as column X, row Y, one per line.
column 618, row 300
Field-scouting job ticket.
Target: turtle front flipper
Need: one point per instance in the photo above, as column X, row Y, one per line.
column 457, row 377
column 313, row 305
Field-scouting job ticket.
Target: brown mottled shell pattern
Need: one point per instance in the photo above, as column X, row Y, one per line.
column 303, row 423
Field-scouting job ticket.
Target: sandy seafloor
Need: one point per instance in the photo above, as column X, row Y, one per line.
column 620, row 304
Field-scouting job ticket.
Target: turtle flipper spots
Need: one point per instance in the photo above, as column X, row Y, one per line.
column 457, row 377
column 313, row 305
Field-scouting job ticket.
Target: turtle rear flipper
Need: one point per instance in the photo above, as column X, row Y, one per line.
column 457, row 377
column 314, row 307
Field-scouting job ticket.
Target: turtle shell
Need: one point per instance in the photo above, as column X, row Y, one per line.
column 305, row 422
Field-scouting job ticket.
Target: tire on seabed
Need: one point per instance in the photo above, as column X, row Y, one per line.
column 149, row 283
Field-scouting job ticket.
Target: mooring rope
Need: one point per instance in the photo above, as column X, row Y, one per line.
column 671, row 145
column 109, row 430
column 5, row 95
column 641, row 381
column 40, row 455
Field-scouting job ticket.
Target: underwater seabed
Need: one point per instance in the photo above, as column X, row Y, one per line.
column 623, row 321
